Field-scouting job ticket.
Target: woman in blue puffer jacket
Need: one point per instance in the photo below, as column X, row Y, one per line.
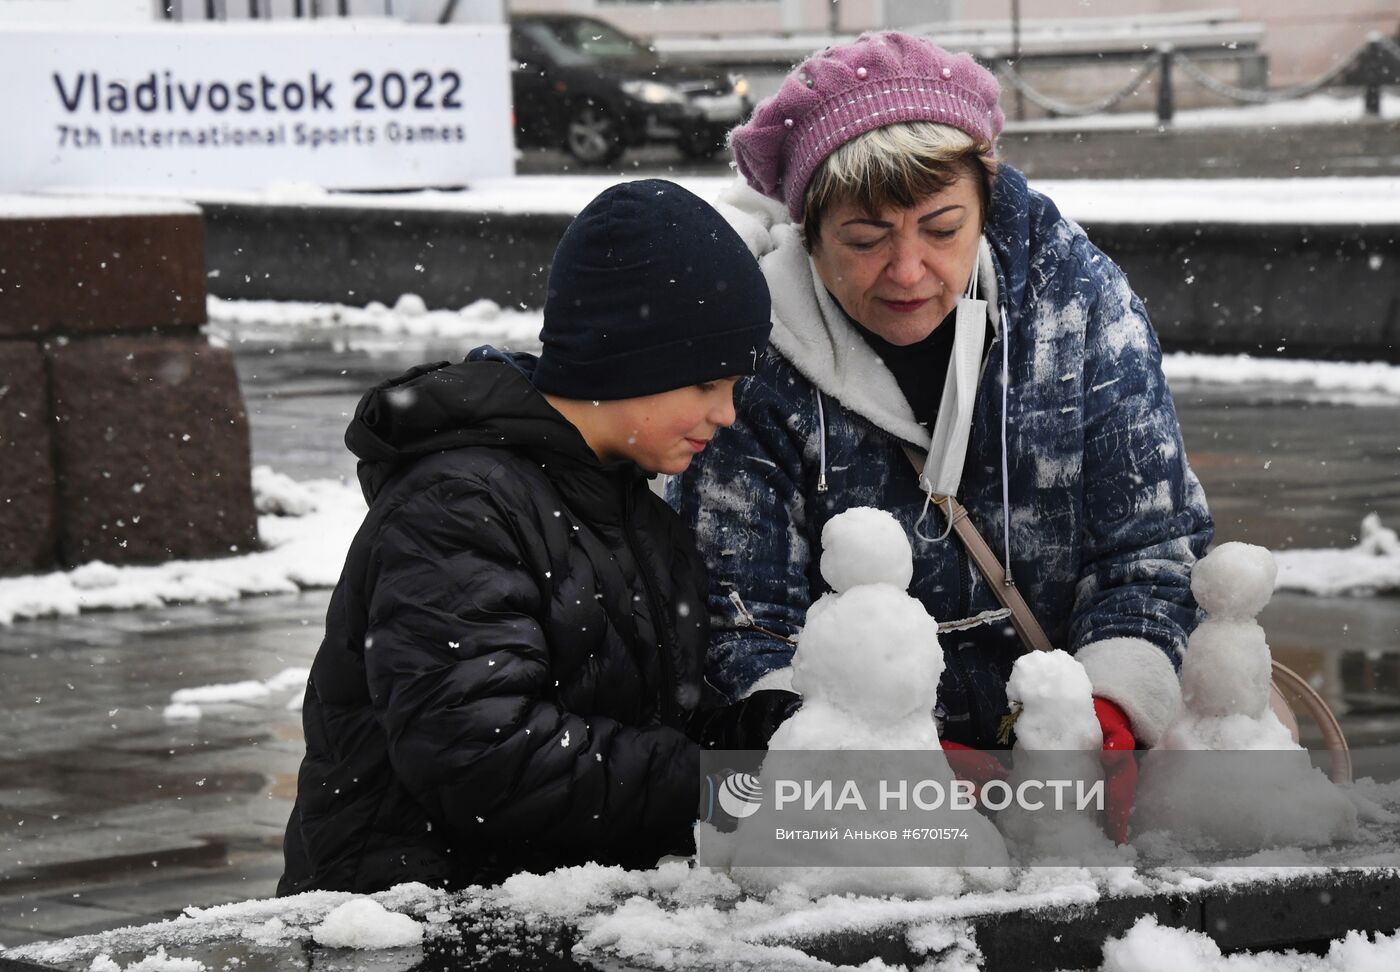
column 924, row 296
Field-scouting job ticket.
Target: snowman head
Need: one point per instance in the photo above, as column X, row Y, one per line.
column 1056, row 700
column 1234, row 581
column 865, row 546
column 869, row 649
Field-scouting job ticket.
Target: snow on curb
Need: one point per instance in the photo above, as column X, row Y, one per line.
column 1149, row 947
column 304, row 551
column 1370, row 567
column 1353, row 378
column 483, row 320
column 383, row 922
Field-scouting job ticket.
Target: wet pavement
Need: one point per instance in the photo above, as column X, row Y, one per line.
column 110, row 816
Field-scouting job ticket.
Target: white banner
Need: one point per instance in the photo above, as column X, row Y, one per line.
column 342, row 104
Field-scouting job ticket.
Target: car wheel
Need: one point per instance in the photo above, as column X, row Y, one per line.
column 701, row 143
column 592, row 135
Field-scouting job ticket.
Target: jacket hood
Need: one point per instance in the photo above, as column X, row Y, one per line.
column 486, row 400
column 814, row 334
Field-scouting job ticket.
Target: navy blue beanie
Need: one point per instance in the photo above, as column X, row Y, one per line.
column 650, row 290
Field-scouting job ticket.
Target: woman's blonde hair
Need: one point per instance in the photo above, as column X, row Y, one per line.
column 896, row 166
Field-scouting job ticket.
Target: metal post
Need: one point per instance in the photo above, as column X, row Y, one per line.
column 344, row 8
column 1016, row 56
column 1166, row 104
column 833, row 17
column 1374, row 74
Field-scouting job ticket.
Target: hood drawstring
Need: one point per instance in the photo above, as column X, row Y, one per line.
column 821, row 442
column 1005, row 472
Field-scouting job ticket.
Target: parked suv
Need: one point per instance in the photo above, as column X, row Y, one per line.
column 583, row 85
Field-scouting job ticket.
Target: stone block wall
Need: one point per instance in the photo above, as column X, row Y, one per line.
column 123, row 434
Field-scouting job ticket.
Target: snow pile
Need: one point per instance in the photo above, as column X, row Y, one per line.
column 273, row 923
column 482, row 320
column 1228, row 802
column 1148, row 947
column 678, row 917
column 185, row 703
column 1370, row 567
column 302, row 551
column 280, row 495
column 365, row 923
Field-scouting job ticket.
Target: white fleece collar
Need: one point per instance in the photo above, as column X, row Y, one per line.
column 813, row 333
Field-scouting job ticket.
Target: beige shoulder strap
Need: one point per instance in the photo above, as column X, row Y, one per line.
column 1032, row 634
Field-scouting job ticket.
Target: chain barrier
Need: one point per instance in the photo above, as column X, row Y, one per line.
column 1388, row 45
column 1058, row 107
column 1161, row 62
column 1265, row 96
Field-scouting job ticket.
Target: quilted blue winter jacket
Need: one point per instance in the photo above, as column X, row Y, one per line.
column 1106, row 515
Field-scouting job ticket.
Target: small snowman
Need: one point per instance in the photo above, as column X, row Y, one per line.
column 867, row 664
column 1058, row 737
column 868, row 661
column 1226, row 675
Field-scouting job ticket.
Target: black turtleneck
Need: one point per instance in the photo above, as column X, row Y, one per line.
column 921, row 368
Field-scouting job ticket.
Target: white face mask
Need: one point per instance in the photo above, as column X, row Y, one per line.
column 946, row 456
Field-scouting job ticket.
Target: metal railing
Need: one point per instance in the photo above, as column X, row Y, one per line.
column 262, row 9
column 1376, row 63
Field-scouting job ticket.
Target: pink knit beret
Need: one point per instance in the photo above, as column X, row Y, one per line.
column 842, row 92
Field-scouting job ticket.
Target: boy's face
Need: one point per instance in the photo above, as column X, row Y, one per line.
column 663, row 432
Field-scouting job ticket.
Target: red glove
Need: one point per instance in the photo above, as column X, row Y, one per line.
column 975, row 766
column 1120, row 768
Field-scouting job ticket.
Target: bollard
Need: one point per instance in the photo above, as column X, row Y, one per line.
column 1373, row 73
column 1166, row 105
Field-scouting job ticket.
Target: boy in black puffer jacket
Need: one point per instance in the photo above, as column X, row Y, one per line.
column 511, row 672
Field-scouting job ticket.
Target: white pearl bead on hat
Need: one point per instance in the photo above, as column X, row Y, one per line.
column 861, row 73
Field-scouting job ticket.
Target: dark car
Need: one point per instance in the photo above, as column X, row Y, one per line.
column 583, row 85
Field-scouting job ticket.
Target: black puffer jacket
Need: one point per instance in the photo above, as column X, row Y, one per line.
column 511, row 655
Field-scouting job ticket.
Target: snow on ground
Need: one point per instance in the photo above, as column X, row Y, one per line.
column 185, row 704
column 300, row 552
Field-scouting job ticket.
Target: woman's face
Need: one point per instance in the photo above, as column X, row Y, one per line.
column 899, row 273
